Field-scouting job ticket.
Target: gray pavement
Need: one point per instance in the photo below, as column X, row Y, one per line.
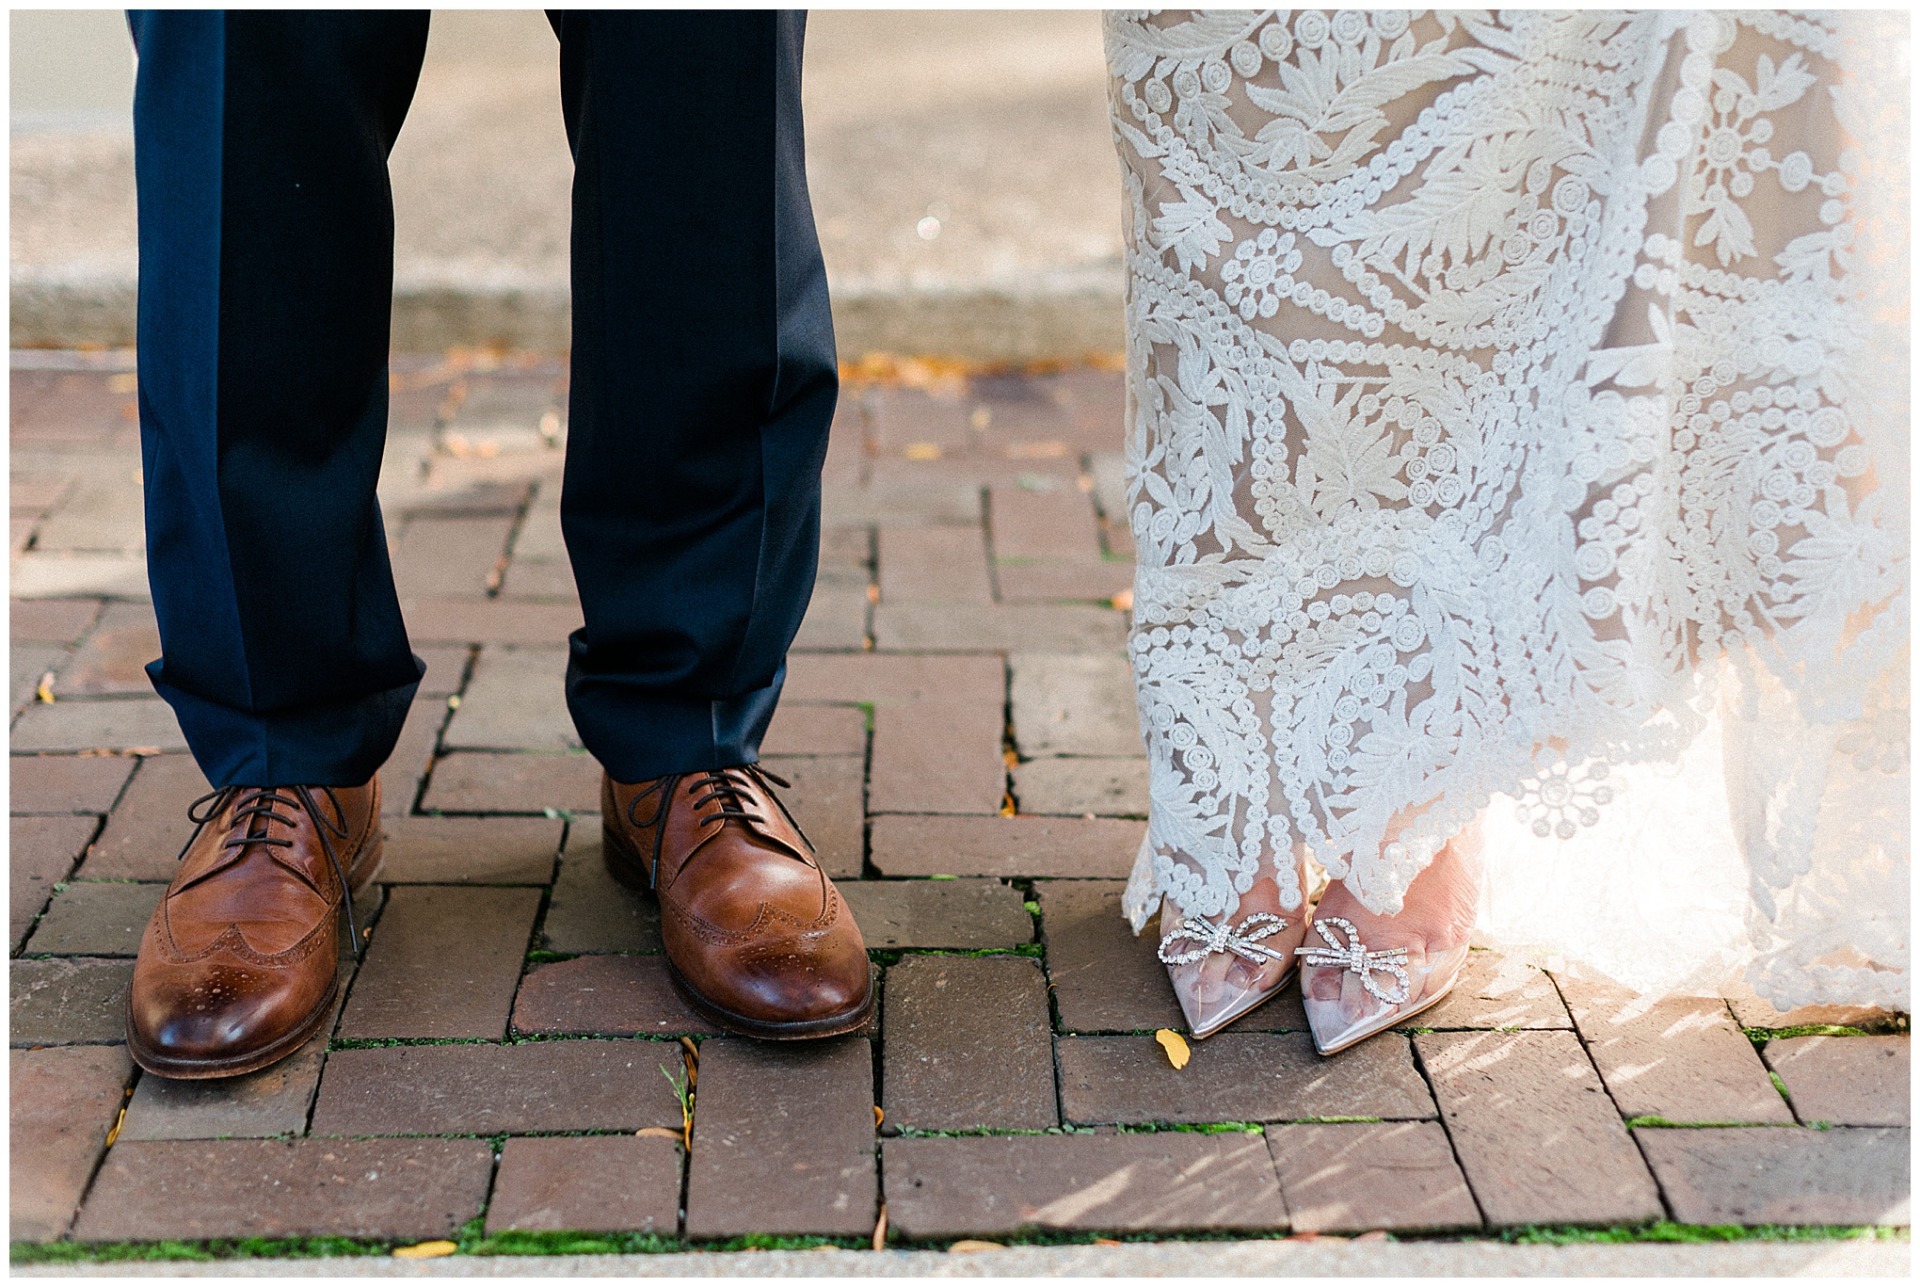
column 963, row 179
column 1322, row 1258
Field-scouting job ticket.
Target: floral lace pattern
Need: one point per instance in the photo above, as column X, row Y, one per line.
column 1493, row 380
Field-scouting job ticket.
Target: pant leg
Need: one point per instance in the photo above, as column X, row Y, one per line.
column 703, row 381
column 266, row 268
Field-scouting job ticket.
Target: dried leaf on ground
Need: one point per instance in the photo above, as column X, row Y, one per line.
column 426, row 1250
column 975, row 1244
column 1178, row 1052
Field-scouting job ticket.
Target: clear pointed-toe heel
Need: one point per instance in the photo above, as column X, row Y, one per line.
column 1351, row 992
column 1214, row 992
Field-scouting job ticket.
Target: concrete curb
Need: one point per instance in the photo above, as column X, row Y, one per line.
column 1059, row 316
column 1135, row 1260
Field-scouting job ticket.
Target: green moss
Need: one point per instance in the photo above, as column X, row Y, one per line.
column 1669, row 1231
column 1656, row 1122
column 540, row 956
column 866, row 714
column 1193, row 1128
column 1760, row 1036
column 1779, row 1085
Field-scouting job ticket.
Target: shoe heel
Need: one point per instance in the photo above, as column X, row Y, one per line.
column 623, row 864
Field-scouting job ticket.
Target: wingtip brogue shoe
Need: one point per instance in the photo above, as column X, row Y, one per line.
column 756, row 935
column 239, row 964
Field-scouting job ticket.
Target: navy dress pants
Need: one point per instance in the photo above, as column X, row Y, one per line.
column 703, row 381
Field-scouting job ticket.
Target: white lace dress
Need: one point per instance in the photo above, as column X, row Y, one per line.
column 1518, row 427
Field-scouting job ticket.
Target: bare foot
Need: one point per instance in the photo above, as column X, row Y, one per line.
column 1431, row 929
column 1220, row 986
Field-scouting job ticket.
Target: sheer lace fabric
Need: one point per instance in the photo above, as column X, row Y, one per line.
column 1517, row 426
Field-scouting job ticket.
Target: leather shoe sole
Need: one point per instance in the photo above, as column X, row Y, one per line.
column 626, row 867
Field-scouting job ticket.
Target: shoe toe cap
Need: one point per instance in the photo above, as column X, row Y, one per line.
column 214, row 1016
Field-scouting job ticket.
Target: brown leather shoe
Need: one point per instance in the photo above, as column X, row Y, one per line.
column 239, row 965
column 756, row 935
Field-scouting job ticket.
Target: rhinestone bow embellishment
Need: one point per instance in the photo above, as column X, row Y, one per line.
column 1242, row 940
column 1354, row 956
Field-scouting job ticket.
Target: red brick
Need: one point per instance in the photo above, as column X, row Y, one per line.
column 478, row 621
column 61, row 1001
column 899, row 418
column 968, row 1044
column 938, row 757
column 471, row 1089
column 903, row 845
column 511, row 782
column 934, row 565
column 1084, row 580
column 816, row 730
column 446, row 669
column 1072, row 704
column 450, row 556
column 615, row 996
column 42, row 853
column 1498, row 991
column 60, row 1105
column 114, row 657
column 419, row 739
column 826, row 799
column 1846, row 1081
column 1073, row 787
column 471, row 851
column 1237, row 1077
column 952, row 914
column 96, row 918
column 783, row 1139
column 882, row 680
column 1680, row 1059
column 57, row 621
column 1759, row 1175
column 399, row 1189
column 597, row 1184
column 1164, row 1183
column 271, row 1102
column 516, row 701
column 1000, row 627
column 1351, row 1177
column 77, row 408
column 1105, row 979
column 149, row 827
column 836, row 620
column 122, row 724
column 444, row 963
column 67, row 783
column 1054, row 524
column 589, row 910
column 1534, row 1130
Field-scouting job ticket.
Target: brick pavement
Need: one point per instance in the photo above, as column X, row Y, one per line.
column 959, row 731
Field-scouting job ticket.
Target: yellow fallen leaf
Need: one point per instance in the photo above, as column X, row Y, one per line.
column 1123, row 601
column 880, row 1227
column 658, row 1132
column 923, row 451
column 44, row 690
column 426, row 1250
column 975, row 1244
column 879, row 1116
column 118, row 1122
column 1175, row 1045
